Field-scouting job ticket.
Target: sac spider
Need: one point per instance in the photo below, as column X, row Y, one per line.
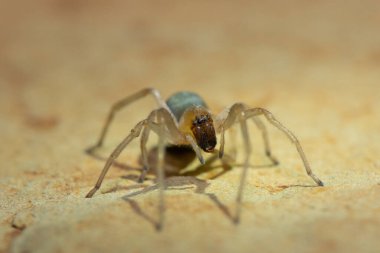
column 184, row 120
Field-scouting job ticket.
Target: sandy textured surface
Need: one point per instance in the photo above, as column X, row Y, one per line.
column 316, row 66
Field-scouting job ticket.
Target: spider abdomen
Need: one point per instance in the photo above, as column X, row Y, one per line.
column 180, row 101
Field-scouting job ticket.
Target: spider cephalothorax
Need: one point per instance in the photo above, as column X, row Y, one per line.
column 204, row 132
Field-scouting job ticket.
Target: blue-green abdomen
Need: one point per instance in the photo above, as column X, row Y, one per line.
column 180, row 101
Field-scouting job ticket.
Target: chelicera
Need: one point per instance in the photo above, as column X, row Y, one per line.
column 185, row 120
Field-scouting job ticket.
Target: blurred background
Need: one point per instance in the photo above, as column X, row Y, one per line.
column 245, row 48
column 63, row 63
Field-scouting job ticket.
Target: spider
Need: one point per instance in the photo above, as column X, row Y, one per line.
column 185, row 120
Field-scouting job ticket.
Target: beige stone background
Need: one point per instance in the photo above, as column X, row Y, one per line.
column 314, row 64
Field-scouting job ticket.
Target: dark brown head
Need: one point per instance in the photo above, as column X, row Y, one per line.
column 204, row 132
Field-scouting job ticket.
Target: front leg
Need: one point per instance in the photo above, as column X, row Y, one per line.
column 271, row 119
column 260, row 125
column 135, row 132
column 229, row 116
column 239, row 113
column 195, row 147
column 223, row 122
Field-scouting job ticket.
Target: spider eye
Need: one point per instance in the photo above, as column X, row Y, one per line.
column 201, row 119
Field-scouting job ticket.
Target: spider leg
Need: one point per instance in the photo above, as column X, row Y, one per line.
column 247, row 149
column 162, row 123
column 166, row 129
column 271, row 119
column 239, row 113
column 232, row 153
column 123, row 103
column 144, row 153
column 196, row 148
column 135, row 132
column 160, row 171
column 221, row 146
column 170, row 132
column 260, row 125
column 225, row 120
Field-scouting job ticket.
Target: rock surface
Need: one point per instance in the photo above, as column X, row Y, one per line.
column 316, row 66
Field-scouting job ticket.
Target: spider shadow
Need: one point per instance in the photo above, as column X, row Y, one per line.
column 177, row 159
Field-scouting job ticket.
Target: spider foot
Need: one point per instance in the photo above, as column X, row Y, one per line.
column 274, row 161
column 91, row 150
column 272, row 158
column 236, row 220
column 159, row 226
column 142, row 176
column 320, row 183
